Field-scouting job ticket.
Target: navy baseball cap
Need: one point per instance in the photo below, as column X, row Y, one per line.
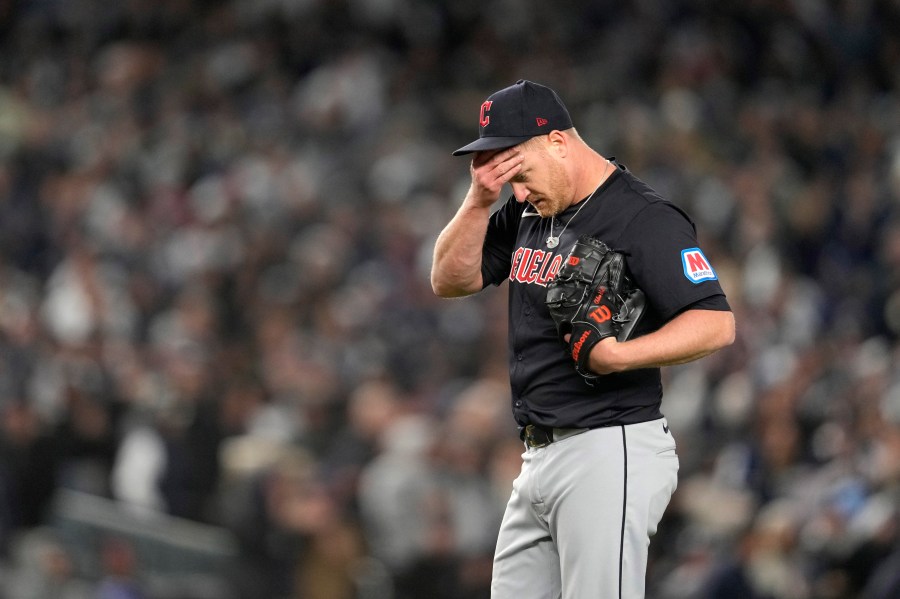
column 516, row 114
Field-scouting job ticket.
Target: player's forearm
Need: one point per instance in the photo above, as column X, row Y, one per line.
column 456, row 269
column 687, row 337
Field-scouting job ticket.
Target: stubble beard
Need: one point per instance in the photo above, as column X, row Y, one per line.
column 554, row 201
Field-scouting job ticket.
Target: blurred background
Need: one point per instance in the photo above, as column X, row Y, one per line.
column 223, row 373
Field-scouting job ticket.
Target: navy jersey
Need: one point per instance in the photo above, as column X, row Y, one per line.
column 662, row 254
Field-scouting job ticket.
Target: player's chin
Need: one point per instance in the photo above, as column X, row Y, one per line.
column 541, row 206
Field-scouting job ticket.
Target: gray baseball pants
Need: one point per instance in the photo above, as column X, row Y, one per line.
column 581, row 514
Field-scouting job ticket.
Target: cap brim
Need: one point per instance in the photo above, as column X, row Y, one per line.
column 491, row 143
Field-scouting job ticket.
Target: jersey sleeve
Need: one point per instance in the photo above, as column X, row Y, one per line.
column 667, row 263
column 496, row 255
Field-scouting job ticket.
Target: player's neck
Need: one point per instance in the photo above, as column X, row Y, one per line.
column 591, row 171
column 595, row 170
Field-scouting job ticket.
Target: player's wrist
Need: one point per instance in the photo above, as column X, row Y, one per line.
column 479, row 201
column 607, row 357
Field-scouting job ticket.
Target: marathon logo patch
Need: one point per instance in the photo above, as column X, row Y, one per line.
column 696, row 266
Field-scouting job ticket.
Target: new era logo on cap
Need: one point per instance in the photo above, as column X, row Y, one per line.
column 515, row 114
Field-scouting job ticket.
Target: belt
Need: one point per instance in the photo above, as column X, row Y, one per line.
column 540, row 436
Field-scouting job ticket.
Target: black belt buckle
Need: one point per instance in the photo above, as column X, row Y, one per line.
column 537, row 437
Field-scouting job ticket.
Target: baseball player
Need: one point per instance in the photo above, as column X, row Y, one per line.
column 599, row 466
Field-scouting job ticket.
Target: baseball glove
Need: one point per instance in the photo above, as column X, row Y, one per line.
column 592, row 298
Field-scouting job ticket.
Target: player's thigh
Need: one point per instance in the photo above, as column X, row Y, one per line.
column 614, row 485
column 652, row 472
column 587, row 512
column 530, row 572
column 526, row 562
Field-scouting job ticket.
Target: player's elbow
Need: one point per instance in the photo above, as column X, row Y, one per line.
column 725, row 331
column 440, row 288
column 450, row 279
column 443, row 287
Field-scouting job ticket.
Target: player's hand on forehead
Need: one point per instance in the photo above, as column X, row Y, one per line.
column 495, row 155
column 493, row 168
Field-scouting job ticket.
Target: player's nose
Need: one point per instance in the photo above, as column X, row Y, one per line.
column 520, row 191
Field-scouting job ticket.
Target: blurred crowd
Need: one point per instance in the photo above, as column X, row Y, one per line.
column 216, row 225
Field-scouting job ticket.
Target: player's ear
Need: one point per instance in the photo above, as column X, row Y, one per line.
column 558, row 143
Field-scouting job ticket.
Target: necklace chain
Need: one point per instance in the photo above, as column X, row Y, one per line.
column 553, row 241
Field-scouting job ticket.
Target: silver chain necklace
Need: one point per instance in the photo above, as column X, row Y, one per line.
column 553, row 240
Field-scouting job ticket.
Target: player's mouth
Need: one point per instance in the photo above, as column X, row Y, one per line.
column 538, row 202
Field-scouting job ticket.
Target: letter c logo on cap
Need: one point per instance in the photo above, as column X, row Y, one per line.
column 484, row 119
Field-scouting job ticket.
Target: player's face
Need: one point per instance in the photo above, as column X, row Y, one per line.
column 542, row 182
